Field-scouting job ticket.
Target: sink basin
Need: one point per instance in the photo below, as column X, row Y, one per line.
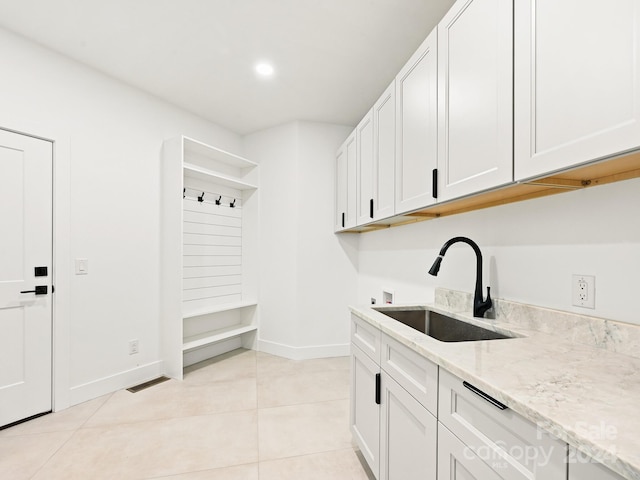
column 441, row 327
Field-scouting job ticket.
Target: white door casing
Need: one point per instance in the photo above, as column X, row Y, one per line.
column 26, row 168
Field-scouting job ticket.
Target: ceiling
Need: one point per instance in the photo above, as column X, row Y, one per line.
column 333, row 58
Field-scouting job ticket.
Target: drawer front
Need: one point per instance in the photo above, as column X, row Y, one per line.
column 503, row 439
column 367, row 337
column 413, row 372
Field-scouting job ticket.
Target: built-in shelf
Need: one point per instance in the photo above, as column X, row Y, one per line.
column 213, row 153
column 208, row 338
column 220, row 308
column 195, row 171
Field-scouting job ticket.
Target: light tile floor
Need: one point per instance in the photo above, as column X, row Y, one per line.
column 242, row 416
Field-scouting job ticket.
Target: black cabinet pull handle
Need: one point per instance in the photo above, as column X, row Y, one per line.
column 342, row 219
column 434, row 183
column 378, row 388
column 483, row 395
column 371, row 208
column 39, row 290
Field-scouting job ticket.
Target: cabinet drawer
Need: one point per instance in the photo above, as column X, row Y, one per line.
column 367, row 337
column 414, row 373
column 501, row 438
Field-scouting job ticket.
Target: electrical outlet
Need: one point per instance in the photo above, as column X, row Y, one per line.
column 134, row 347
column 584, row 291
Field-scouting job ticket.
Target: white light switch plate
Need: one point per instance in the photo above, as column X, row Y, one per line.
column 82, row 266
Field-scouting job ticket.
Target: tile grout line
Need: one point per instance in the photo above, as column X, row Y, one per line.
column 74, row 432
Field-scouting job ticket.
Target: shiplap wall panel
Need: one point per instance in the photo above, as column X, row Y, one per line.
column 204, row 218
column 210, row 239
column 212, row 249
column 204, row 282
column 195, row 272
column 213, row 261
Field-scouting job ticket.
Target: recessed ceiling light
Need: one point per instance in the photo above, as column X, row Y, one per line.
column 264, row 69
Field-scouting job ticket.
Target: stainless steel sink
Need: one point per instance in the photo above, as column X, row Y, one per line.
column 441, row 327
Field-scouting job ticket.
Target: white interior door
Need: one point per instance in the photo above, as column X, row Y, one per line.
column 26, row 167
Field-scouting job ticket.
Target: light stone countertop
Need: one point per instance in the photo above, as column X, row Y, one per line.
column 587, row 394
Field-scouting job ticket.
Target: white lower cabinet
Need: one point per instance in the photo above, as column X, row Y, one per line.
column 415, row 420
column 394, row 426
column 408, row 435
column 582, row 467
column 365, row 411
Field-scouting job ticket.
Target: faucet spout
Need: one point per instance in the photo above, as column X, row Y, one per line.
column 480, row 305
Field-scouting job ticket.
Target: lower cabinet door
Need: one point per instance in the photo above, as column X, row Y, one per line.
column 583, row 467
column 456, row 461
column 408, row 435
column 365, row 412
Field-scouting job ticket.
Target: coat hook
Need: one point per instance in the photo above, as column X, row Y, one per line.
column 218, row 200
column 233, row 204
column 184, row 192
column 201, row 197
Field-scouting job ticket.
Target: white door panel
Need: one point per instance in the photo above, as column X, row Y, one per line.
column 25, row 318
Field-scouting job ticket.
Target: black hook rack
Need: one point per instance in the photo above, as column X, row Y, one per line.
column 201, row 197
column 233, row 204
column 218, row 200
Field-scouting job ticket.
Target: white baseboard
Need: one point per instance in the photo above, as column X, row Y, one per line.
column 118, row 381
column 304, row 353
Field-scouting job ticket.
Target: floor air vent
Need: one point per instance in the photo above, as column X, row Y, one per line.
column 150, row 383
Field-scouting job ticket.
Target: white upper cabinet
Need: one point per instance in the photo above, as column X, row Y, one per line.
column 384, row 153
column 417, row 128
column 365, row 166
column 577, row 82
column 475, row 101
column 345, row 195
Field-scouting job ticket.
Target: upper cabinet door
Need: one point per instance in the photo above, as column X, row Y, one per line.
column 352, row 172
column 417, row 127
column 341, row 189
column 475, row 102
column 345, row 183
column 384, row 153
column 577, row 83
column 365, row 166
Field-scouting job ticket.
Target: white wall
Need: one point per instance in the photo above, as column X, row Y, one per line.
column 111, row 137
column 308, row 275
column 531, row 249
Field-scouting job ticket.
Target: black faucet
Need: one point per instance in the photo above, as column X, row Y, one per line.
column 480, row 306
